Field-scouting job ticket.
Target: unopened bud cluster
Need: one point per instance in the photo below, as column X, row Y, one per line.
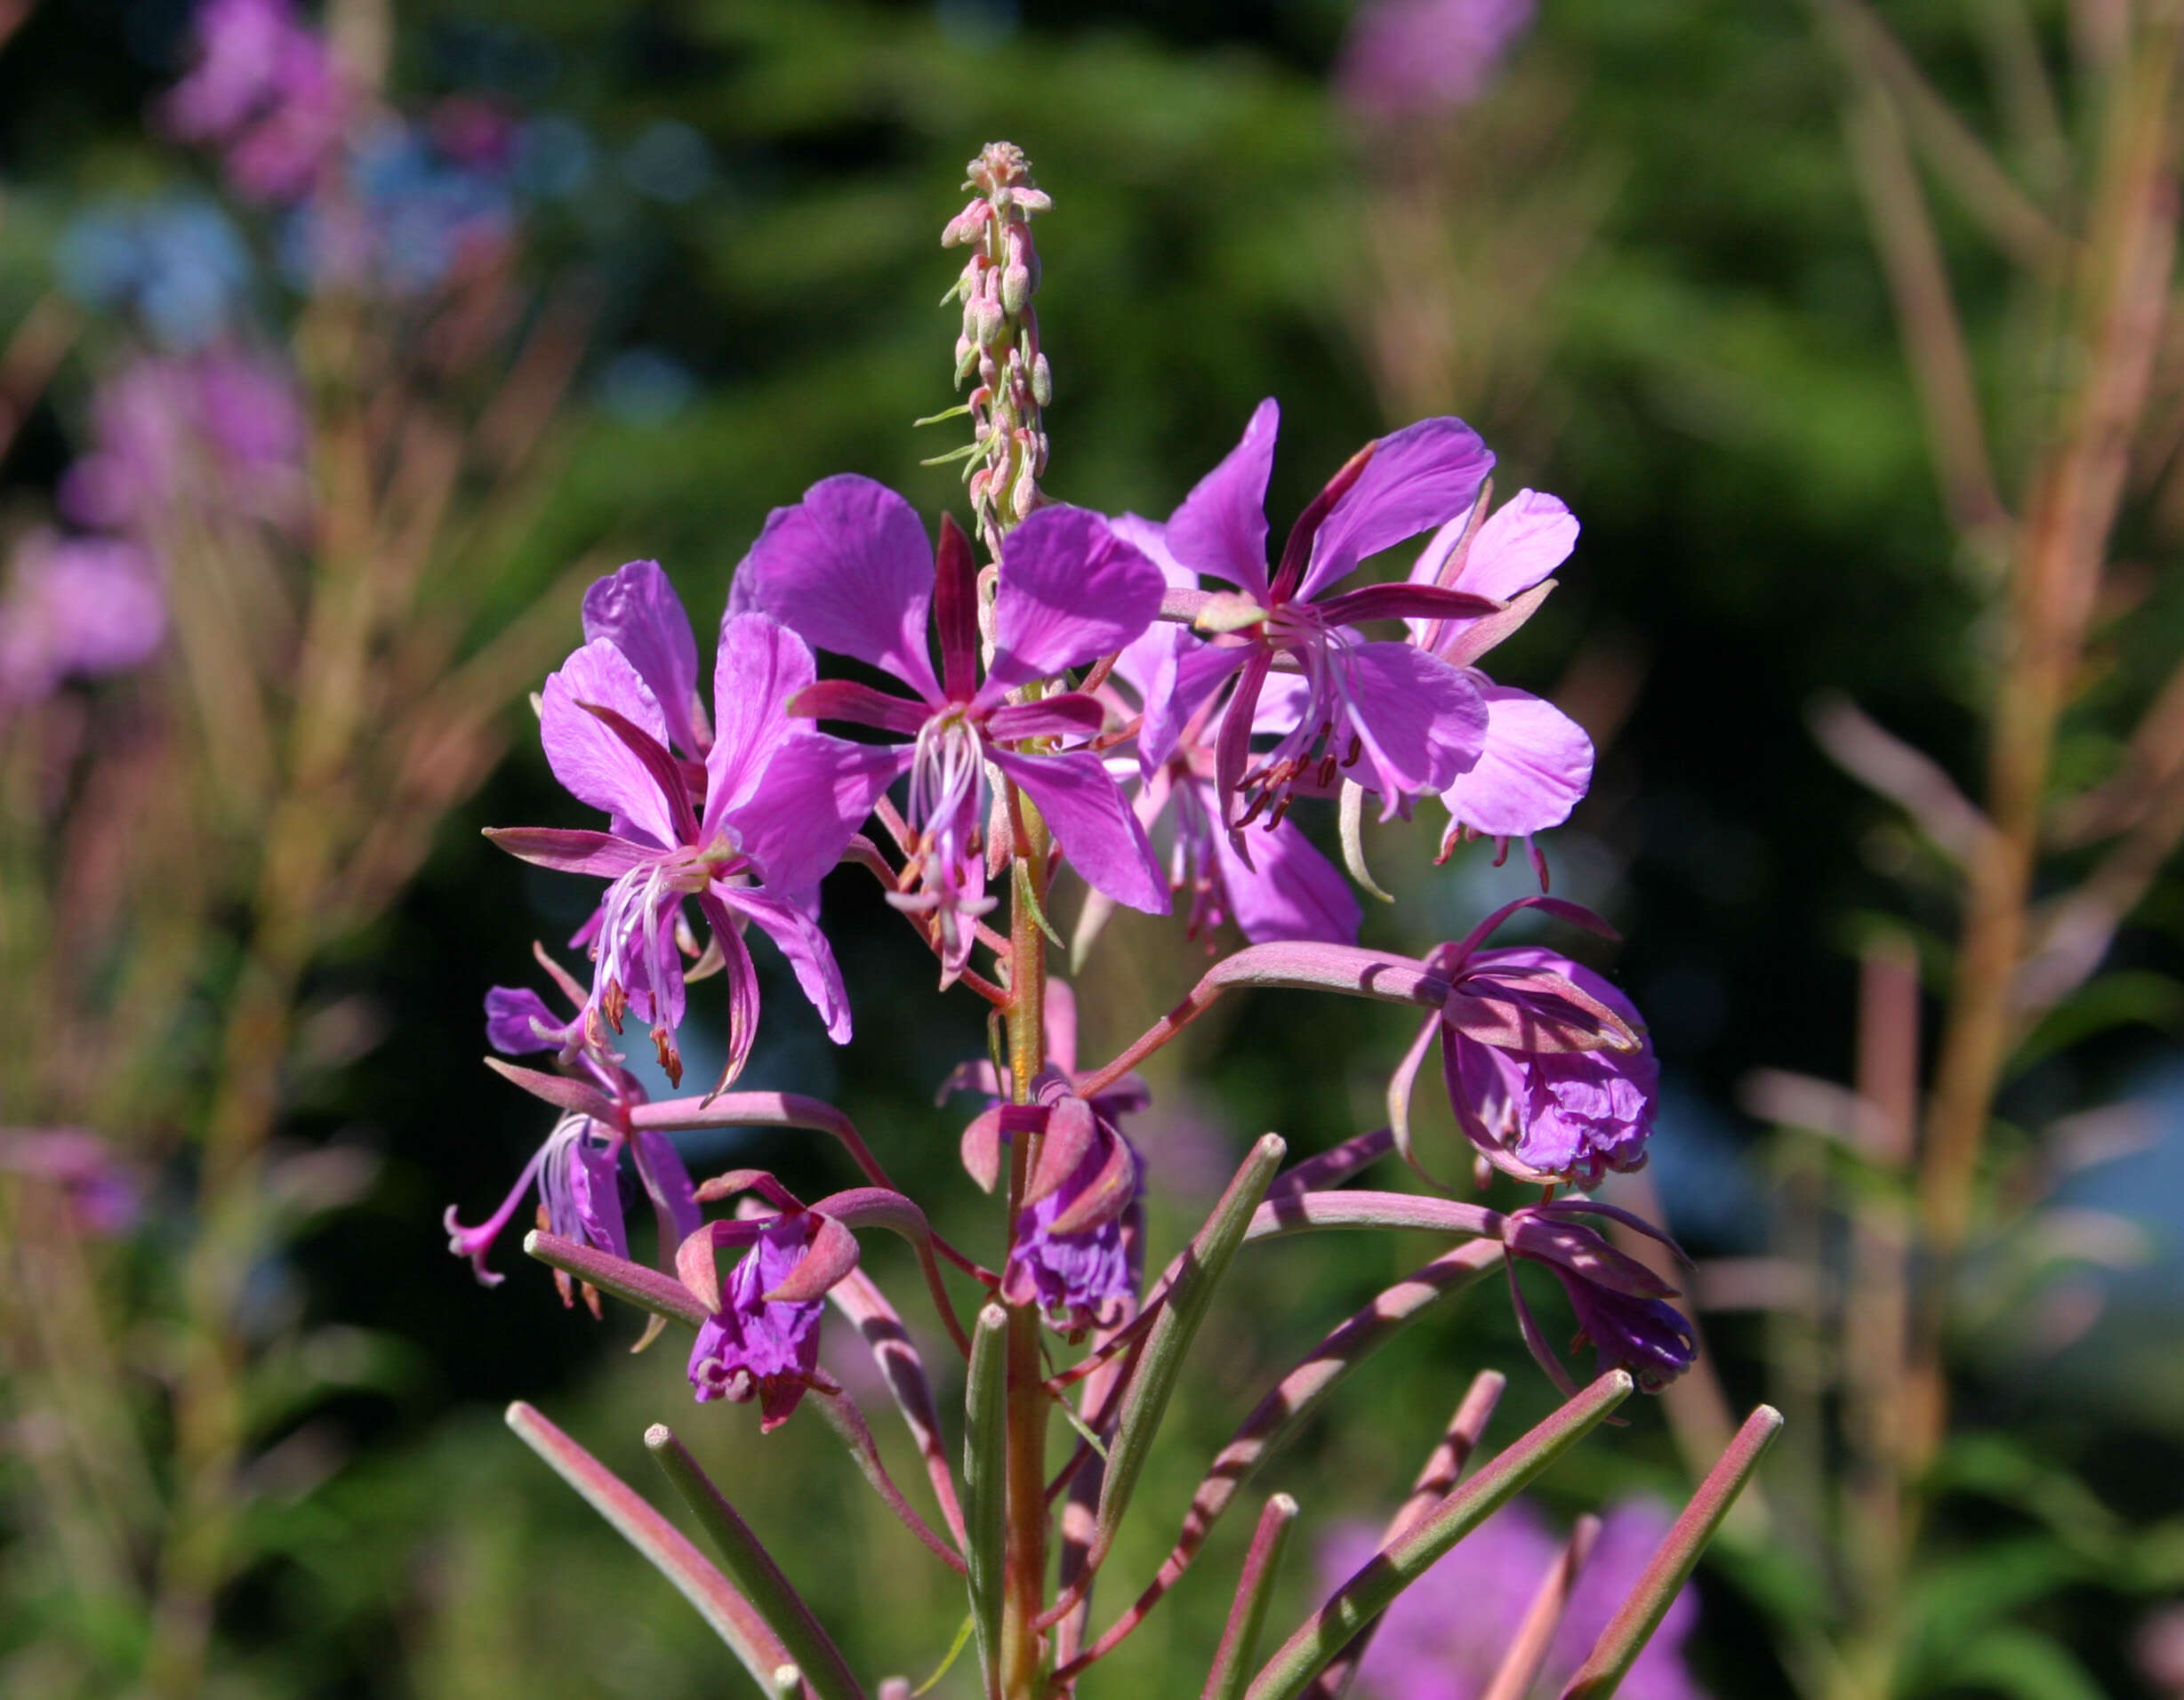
column 999, row 342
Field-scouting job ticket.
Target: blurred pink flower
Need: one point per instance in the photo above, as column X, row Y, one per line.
column 1443, row 1638
column 75, row 607
column 103, row 1198
column 1412, row 58
column 265, row 88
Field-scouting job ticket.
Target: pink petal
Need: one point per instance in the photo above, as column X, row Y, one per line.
column 595, row 765
column 571, row 850
column 847, row 699
column 815, row 794
column 759, row 666
column 849, row 570
column 1535, row 767
column 800, row 940
column 1293, row 894
column 1423, row 722
column 1419, row 477
column 1070, row 589
column 1092, row 824
column 1221, row 526
column 1199, row 669
column 1525, row 538
column 637, row 610
column 1073, row 714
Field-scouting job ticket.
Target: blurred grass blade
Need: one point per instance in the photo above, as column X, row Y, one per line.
column 1360, row 1599
column 734, row 1618
column 985, row 1472
column 1145, row 1398
column 1255, row 1590
column 1670, row 1567
column 809, row 1648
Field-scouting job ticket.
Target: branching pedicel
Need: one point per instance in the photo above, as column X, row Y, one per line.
column 1091, row 662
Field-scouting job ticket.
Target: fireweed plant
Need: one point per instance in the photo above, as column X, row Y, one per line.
column 1095, row 682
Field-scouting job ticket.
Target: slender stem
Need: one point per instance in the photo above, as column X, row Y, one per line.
column 1024, row 1552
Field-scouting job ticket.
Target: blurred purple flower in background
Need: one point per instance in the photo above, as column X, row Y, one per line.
column 1413, row 58
column 102, row 1196
column 1444, row 1637
column 75, row 607
column 266, row 91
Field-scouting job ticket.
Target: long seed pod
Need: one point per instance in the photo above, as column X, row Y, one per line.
column 985, row 1442
column 1255, row 1590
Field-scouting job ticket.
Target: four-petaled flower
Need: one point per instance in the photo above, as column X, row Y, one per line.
column 849, row 568
column 748, row 831
column 1392, row 717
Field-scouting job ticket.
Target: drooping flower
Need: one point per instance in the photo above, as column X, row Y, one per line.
column 1446, row 1635
column 849, row 568
column 777, row 804
column 576, row 1170
column 1287, row 890
column 75, row 607
column 1548, row 1066
column 1415, row 58
column 1077, row 1246
column 761, row 1339
column 1621, row 1305
column 267, row 91
column 1536, row 761
column 1393, row 718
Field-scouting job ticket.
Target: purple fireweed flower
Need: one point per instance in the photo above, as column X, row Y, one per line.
column 75, row 607
column 849, row 568
column 1413, row 721
column 1413, row 58
column 577, row 1169
column 1076, row 1250
column 1445, row 1636
column 102, row 1196
column 267, row 91
column 1548, row 1066
column 1536, row 761
column 774, row 804
column 1620, row 1305
column 1287, row 890
column 761, row 1342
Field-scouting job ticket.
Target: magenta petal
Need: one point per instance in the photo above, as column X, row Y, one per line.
column 760, row 666
column 1534, row 768
column 1200, row 668
column 1073, row 714
column 1523, row 540
column 1070, row 589
column 848, row 569
column 514, row 1014
column 815, row 794
column 806, row 948
column 571, row 850
column 667, row 1184
column 1092, row 824
column 1221, row 526
column 595, row 765
column 847, row 699
column 1419, row 477
column 1423, row 721
column 1293, row 894
column 637, row 610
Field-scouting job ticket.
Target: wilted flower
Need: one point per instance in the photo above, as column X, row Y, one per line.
column 1393, row 718
column 1620, row 1303
column 849, row 568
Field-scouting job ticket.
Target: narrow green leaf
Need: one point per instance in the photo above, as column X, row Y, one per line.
column 955, row 1651
column 1255, row 1592
column 1144, row 1399
column 734, row 1618
column 962, row 453
column 1353, row 817
column 1029, row 899
column 984, row 1468
column 1404, row 1559
column 961, row 409
column 809, row 1648
column 1671, row 1565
